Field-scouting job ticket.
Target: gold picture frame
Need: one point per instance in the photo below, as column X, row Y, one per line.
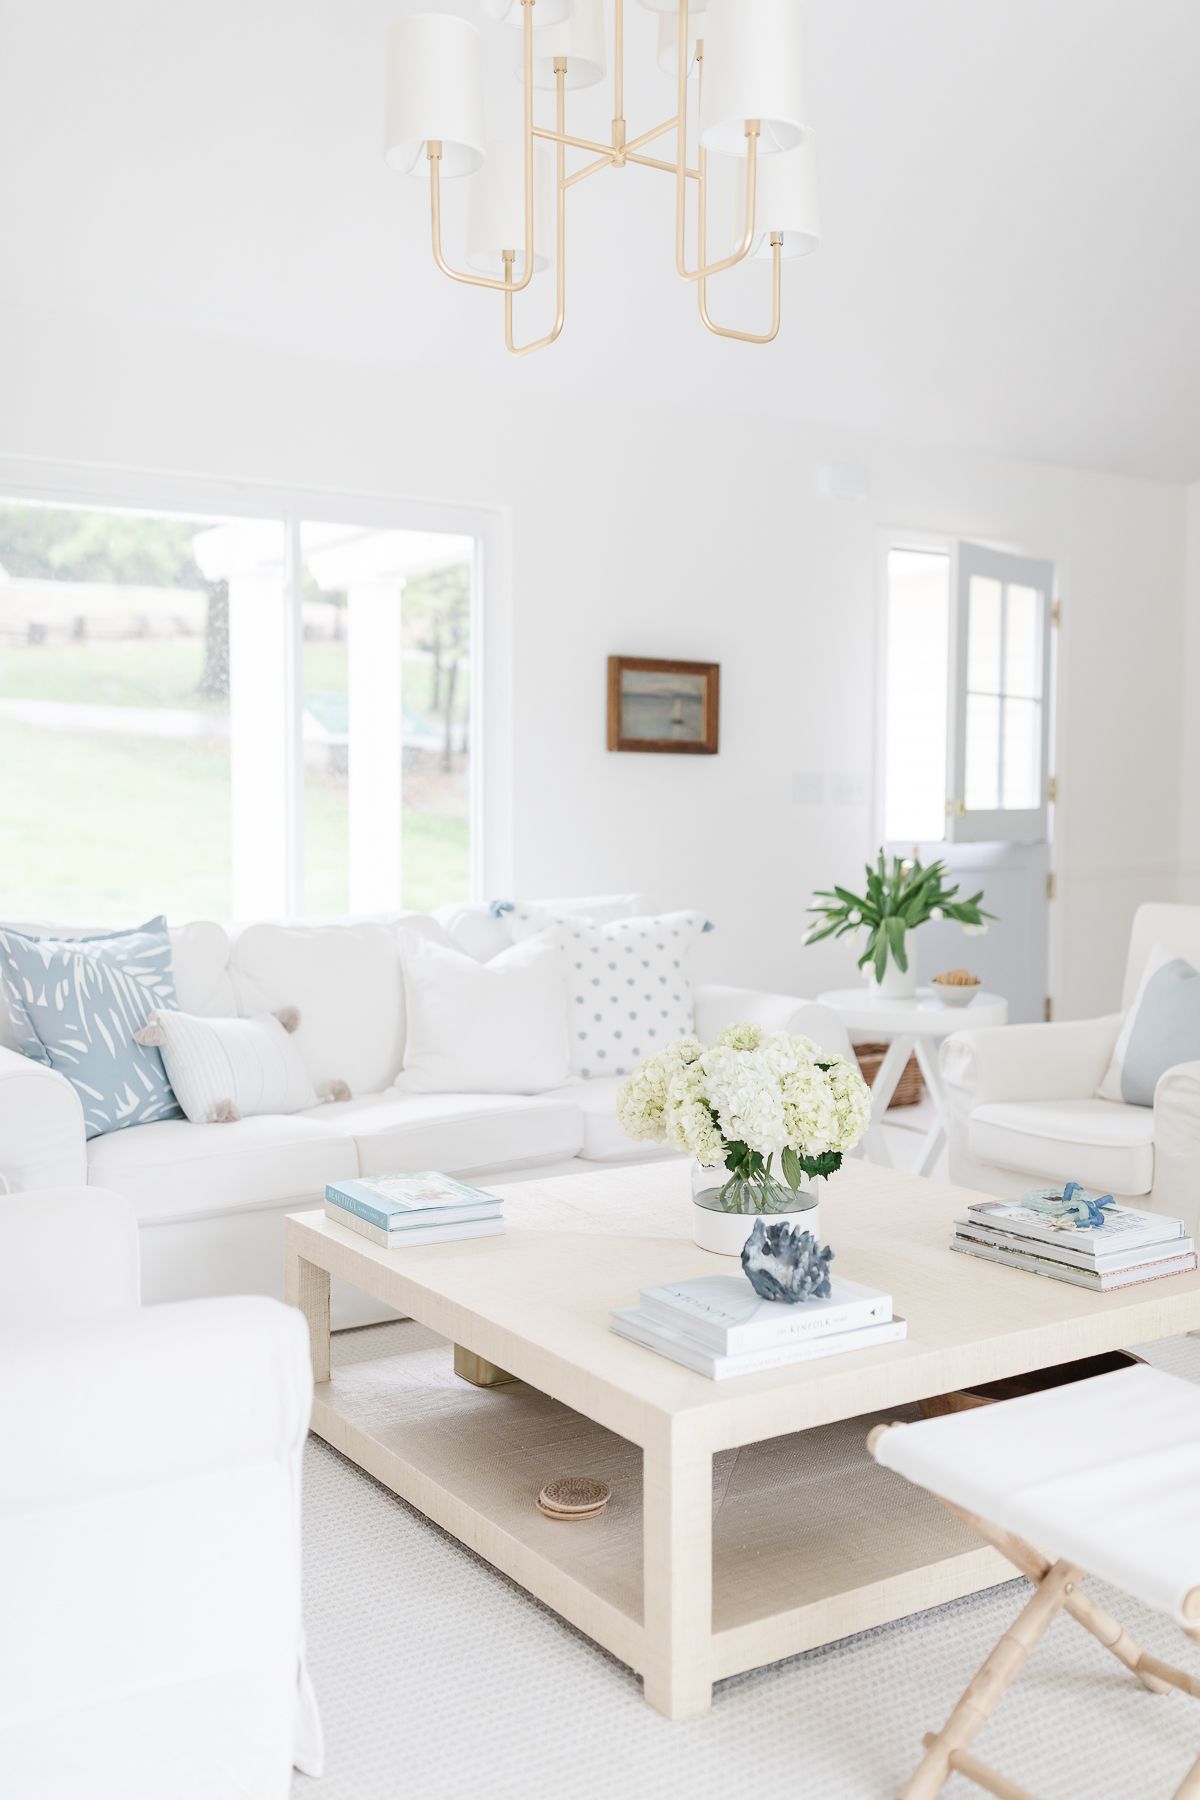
column 663, row 707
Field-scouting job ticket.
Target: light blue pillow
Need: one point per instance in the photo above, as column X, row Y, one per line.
column 1160, row 1030
column 75, row 1005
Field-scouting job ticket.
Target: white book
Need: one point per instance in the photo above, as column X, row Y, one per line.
column 724, row 1313
column 629, row 1322
column 1061, row 1249
column 1099, row 1281
column 412, row 1237
column 1124, row 1228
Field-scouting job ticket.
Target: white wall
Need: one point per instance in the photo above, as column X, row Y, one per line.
column 656, row 532
column 1189, row 814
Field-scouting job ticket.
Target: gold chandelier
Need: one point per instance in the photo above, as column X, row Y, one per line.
column 755, row 159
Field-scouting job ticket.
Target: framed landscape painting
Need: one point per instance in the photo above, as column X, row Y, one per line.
column 672, row 708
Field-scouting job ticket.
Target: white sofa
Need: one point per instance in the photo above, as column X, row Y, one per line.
column 1023, row 1105
column 150, row 1628
column 210, row 1199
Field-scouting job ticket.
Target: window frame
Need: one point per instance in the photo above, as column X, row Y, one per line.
column 491, row 700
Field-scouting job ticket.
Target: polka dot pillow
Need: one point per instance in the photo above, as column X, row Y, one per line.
column 628, row 988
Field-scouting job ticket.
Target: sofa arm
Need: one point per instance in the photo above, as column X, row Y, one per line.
column 1029, row 1062
column 66, row 1253
column 42, row 1138
column 718, row 1007
column 1177, row 1144
column 148, row 1397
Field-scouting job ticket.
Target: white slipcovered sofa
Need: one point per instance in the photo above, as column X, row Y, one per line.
column 1024, row 1107
column 150, row 1628
column 210, row 1199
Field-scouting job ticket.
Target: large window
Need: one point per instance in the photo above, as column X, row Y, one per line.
column 231, row 717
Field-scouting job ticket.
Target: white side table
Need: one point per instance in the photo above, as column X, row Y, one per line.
column 906, row 1026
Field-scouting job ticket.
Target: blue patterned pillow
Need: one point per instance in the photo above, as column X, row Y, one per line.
column 75, row 1005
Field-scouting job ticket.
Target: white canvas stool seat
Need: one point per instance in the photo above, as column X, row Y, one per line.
column 1103, row 1477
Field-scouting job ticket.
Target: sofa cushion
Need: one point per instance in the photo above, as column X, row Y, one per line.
column 461, row 1134
column 483, row 1028
column 175, row 1170
column 603, row 1139
column 346, row 982
column 1100, row 1143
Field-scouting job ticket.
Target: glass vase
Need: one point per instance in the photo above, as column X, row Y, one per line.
column 724, row 1207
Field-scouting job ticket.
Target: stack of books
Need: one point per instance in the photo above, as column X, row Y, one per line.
column 1130, row 1246
column 403, row 1211
column 718, row 1326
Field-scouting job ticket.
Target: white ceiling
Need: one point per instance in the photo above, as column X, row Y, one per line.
column 1011, row 192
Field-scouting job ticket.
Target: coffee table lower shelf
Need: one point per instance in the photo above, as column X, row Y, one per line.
column 811, row 1540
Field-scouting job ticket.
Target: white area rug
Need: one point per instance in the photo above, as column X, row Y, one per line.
column 440, row 1680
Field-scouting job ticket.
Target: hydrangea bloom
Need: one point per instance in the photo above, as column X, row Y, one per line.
column 746, row 1099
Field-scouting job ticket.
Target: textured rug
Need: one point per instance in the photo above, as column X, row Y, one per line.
column 439, row 1679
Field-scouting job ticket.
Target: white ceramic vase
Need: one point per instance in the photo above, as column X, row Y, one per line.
column 723, row 1231
column 897, row 983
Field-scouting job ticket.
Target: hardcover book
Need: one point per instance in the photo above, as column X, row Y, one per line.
column 1062, row 1248
column 412, row 1236
column 724, row 1313
column 1124, row 1228
column 1100, row 1281
column 393, row 1202
column 630, row 1322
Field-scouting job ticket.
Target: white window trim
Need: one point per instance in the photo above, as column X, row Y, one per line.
column 205, row 497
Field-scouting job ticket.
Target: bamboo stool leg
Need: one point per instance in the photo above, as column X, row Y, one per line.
column 990, row 1780
column 979, row 1698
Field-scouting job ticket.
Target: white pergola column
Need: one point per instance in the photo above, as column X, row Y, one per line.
column 375, row 673
column 250, row 556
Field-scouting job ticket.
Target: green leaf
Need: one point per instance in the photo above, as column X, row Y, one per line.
column 896, row 938
column 793, row 1169
column 881, row 954
column 824, row 931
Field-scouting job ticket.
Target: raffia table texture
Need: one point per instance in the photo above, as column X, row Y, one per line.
column 812, row 1540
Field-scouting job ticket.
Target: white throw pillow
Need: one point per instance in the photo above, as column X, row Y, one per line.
column 628, row 988
column 483, row 1028
column 227, row 1069
column 483, row 931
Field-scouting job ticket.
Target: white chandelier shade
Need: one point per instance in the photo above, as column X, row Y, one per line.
column 496, row 208
column 753, row 69
column 668, row 43
column 434, row 94
column 581, row 39
column 787, row 205
column 548, row 12
column 672, row 6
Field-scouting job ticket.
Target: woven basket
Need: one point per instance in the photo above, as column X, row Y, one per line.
column 1014, row 1387
column 910, row 1086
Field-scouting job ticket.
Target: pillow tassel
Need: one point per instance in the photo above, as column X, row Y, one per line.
column 151, row 1035
column 334, row 1090
column 289, row 1017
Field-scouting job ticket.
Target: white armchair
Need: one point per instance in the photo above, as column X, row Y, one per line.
column 1023, row 1104
column 150, row 1630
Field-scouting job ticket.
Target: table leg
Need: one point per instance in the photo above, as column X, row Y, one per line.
column 882, row 1089
column 677, row 1557
column 307, row 1286
column 935, row 1138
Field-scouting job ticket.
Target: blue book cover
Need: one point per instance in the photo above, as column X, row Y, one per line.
column 395, row 1201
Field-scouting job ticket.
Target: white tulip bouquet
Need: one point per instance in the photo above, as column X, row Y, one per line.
column 748, row 1099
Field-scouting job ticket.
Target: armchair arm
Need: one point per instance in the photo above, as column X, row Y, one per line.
column 1029, row 1062
column 1177, row 1144
column 717, row 1007
column 42, row 1139
column 66, row 1253
column 148, row 1397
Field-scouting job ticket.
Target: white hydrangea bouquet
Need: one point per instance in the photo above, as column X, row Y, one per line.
column 750, row 1099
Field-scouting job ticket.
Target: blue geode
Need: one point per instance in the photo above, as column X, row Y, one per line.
column 785, row 1262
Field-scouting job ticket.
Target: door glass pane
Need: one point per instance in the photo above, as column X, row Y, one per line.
column 1023, row 643
column 918, row 634
column 982, row 781
column 1022, row 778
column 387, row 693
column 114, row 717
column 983, row 636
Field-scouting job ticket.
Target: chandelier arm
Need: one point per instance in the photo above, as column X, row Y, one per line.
column 653, row 162
column 560, row 272
column 648, row 137
column 592, row 168
column 434, row 153
column 618, row 133
column 576, row 143
column 753, row 129
column 752, row 337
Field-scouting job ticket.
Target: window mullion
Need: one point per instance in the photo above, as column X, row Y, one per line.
column 293, row 677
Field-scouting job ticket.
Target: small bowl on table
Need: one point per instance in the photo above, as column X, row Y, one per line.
column 957, row 987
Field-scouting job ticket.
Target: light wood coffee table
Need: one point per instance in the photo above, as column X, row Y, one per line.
column 747, row 1521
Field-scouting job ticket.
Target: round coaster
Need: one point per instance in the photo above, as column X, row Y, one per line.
column 573, row 1497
